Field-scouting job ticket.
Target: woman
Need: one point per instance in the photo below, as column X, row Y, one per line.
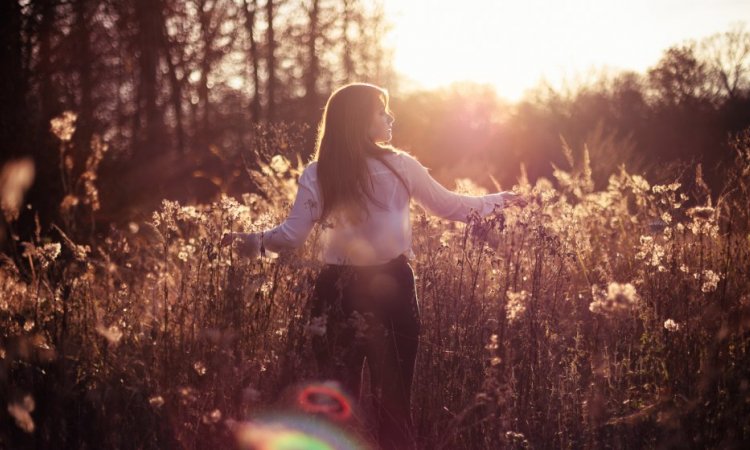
column 359, row 188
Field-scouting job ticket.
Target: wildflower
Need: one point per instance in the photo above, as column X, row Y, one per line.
column 445, row 238
column 234, row 210
column 46, row 254
column 199, row 368
column 89, row 176
column 51, row 251
column 619, row 299
column 665, row 188
column 493, row 345
column 650, row 251
column 64, row 126
column 21, row 412
column 710, row 281
column 279, row 164
column 468, row 186
column 516, row 305
column 112, row 334
column 639, row 184
column 266, row 287
column 671, row 325
column 657, row 254
column 212, row 417
column 187, row 394
column 317, row 326
column 702, row 212
column 68, row 202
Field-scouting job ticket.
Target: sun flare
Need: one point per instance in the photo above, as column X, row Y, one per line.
column 513, row 45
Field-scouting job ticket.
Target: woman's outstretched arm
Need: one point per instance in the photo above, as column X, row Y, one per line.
column 450, row 205
column 293, row 232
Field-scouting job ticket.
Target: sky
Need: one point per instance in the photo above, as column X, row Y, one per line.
column 515, row 44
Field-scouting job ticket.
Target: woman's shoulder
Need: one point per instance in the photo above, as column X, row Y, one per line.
column 311, row 169
column 408, row 162
column 309, row 174
column 401, row 157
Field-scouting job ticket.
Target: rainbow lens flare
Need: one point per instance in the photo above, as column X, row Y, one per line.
column 294, row 433
column 325, row 399
column 321, row 412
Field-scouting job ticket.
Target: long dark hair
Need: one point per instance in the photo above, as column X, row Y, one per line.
column 343, row 146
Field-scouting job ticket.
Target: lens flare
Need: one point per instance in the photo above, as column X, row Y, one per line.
column 327, row 400
column 293, row 432
column 318, row 416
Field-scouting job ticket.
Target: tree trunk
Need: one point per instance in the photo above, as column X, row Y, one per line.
column 271, row 62
column 250, row 10
column 84, row 63
column 347, row 57
column 12, row 80
column 175, row 87
column 205, row 65
column 313, row 70
column 49, row 103
column 149, row 31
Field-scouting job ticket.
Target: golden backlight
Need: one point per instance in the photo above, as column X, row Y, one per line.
column 514, row 44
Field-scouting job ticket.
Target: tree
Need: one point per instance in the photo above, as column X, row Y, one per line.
column 727, row 56
column 270, row 61
column 12, row 79
column 313, row 66
column 250, row 9
column 680, row 78
column 148, row 117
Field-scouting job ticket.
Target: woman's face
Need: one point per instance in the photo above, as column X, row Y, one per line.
column 381, row 125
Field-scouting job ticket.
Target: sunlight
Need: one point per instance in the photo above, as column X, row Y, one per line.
column 513, row 45
column 236, row 82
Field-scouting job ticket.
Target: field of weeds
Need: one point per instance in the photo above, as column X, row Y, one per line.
column 611, row 318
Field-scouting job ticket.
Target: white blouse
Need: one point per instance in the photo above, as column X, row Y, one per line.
column 385, row 232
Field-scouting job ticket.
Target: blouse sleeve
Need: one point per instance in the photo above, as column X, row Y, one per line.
column 293, row 232
column 442, row 202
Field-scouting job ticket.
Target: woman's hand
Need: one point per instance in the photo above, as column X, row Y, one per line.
column 248, row 244
column 512, row 199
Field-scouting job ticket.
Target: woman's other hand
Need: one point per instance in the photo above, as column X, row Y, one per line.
column 512, row 199
column 248, row 244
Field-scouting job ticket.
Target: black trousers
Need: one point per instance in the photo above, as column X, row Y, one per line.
column 371, row 313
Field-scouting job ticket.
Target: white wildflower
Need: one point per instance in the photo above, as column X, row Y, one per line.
column 671, row 325
column 112, row 333
column 64, row 125
column 710, row 281
column 516, row 305
column 317, row 326
column 618, row 299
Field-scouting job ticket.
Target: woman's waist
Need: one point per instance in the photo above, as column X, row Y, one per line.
column 371, row 261
column 364, row 249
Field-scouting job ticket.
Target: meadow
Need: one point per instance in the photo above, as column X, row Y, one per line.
column 596, row 317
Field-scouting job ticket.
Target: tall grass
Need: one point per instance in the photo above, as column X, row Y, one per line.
column 592, row 318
